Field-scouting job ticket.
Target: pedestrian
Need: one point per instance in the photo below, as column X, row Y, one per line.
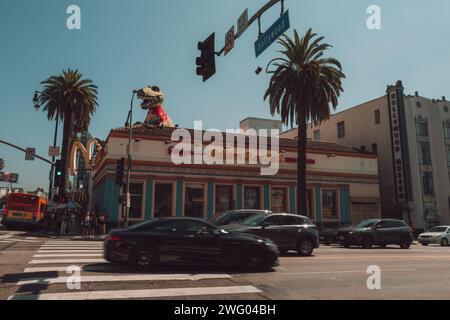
column 86, row 225
column 103, row 220
column 94, row 225
column 64, row 223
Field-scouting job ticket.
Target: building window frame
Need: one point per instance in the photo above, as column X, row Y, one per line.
column 377, row 116
column 422, row 129
column 143, row 201
column 174, row 197
column 234, row 200
column 424, row 157
column 205, row 197
column 316, row 135
column 341, row 129
column 260, row 200
column 428, row 189
column 338, row 211
column 286, row 198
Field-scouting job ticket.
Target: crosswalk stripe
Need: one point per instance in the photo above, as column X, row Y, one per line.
column 71, row 251
column 136, row 294
column 123, row 278
column 75, row 242
column 31, row 238
column 55, row 255
column 106, row 267
column 59, row 261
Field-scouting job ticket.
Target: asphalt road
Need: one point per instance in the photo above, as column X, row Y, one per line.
column 37, row 268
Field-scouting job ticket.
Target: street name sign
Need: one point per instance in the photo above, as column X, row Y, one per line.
column 273, row 33
column 9, row 177
column 53, row 151
column 30, row 154
column 229, row 41
column 242, row 23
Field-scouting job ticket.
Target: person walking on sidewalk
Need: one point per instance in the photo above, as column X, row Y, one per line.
column 94, row 225
column 102, row 221
column 64, row 222
column 86, row 225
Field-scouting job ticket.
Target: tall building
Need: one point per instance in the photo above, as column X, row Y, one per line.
column 411, row 136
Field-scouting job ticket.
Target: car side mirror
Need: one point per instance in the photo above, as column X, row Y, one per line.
column 265, row 225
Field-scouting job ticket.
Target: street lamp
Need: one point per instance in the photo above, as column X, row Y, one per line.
column 37, row 105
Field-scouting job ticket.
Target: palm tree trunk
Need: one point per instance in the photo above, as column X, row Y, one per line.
column 301, row 163
column 65, row 153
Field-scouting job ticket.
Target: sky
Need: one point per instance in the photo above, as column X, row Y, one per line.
column 125, row 45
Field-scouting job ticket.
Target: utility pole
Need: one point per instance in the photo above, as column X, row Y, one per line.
column 130, row 135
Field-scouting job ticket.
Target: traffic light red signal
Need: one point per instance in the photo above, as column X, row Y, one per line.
column 206, row 63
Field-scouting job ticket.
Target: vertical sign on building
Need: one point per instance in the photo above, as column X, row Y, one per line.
column 399, row 142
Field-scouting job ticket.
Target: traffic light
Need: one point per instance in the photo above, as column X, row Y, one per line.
column 206, row 63
column 120, row 168
column 122, row 200
column 58, row 173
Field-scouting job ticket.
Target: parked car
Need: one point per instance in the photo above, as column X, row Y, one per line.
column 379, row 232
column 288, row 231
column 188, row 241
column 436, row 235
column 233, row 216
column 328, row 236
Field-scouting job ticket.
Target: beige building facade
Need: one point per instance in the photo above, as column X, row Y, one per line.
column 410, row 135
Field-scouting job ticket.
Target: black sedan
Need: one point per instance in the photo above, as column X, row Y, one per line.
column 188, row 242
column 288, row 231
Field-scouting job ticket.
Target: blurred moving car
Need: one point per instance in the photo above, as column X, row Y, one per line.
column 188, row 242
column 436, row 235
column 233, row 216
column 380, row 232
column 288, row 231
column 328, row 236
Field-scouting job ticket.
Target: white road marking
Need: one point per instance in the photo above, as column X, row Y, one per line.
column 125, row 278
column 6, row 236
column 136, row 294
column 71, row 251
column 340, row 271
column 31, row 238
column 56, row 261
column 62, row 255
column 107, row 267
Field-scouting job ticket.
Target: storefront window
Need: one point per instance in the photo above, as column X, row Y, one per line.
column 278, row 200
column 194, row 200
column 224, row 198
column 251, row 197
column 329, row 204
column 136, row 193
column 163, row 200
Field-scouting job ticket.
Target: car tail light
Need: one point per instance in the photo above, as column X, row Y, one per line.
column 114, row 238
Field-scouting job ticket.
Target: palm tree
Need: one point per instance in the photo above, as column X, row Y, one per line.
column 2, row 164
column 301, row 89
column 73, row 100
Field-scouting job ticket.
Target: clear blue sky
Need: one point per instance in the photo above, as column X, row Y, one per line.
column 129, row 44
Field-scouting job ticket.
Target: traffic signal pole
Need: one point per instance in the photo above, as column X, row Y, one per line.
column 24, row 150
column 130, row 135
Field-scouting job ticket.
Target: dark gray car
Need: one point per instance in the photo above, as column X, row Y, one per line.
column 288, row 231
column 379, row 232
column 234, row 216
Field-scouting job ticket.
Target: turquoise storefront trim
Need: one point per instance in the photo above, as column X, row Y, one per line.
column 210, row 205
column 239, row 196
column 108, row 198
column 345, row 205
column 179, row 198
column 292, row 204
column 148, row 199
column 318, row 206
column 266, row 197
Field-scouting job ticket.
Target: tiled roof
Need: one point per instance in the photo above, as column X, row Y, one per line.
column 147, row 130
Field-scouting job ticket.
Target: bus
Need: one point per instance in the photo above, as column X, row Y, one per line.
column 24, row 210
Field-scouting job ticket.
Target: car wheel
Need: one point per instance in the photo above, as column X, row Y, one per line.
column 405, row 243
column 367, row 243
column 383, row 246
column 346, row 245
column 254, row 260
column 144, row 258
column 425, row 244
column 444, row 242
column 305, row 247
column 284, row 252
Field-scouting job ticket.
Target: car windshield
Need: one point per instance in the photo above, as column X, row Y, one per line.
column 366, row 224
column 218, row 216
column 254, row 220
column 438, row 229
